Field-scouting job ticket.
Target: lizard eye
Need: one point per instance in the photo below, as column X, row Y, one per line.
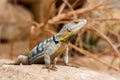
column 69, row 29
column 76, row 22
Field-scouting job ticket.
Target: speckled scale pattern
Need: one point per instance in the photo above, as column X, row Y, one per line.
column 38, row 51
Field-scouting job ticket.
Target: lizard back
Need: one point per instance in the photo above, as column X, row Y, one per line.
column 38, row 51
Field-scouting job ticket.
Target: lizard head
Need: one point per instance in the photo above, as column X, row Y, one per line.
column 69, row 30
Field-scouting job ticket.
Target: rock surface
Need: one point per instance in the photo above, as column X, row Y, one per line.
column 13, row 20
column 35, row 72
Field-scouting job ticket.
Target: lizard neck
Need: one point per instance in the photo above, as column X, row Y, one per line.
column 55, row 40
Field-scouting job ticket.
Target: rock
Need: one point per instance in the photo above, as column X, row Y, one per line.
column 13, row 20
column 35, row 72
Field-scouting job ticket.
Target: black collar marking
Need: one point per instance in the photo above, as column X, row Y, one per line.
column 55, row 40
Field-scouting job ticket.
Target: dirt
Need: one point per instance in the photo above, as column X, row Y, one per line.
column 35, row 72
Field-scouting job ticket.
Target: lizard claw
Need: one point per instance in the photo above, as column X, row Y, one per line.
column 50, row 67
column 54, row 67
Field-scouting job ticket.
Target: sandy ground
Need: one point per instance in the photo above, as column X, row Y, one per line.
column 35, row 72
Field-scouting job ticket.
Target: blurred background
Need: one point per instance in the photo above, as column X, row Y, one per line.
column 25, row 23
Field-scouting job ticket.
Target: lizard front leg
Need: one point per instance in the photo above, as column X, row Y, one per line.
column 66, row 59
column 65, row 56
column 47, row 60
column 48, row 64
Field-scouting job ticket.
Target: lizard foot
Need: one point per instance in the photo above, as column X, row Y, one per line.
column 54, row 67
column 50, row 67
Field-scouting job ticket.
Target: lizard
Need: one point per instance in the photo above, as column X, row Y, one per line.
column 48, row 50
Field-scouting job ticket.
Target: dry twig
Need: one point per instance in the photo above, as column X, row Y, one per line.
column 49, row 13
column 104, row 19
column 111, row 44
column 107, row 39
column 69, row 5
column 61, row 8
column 88, row 54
